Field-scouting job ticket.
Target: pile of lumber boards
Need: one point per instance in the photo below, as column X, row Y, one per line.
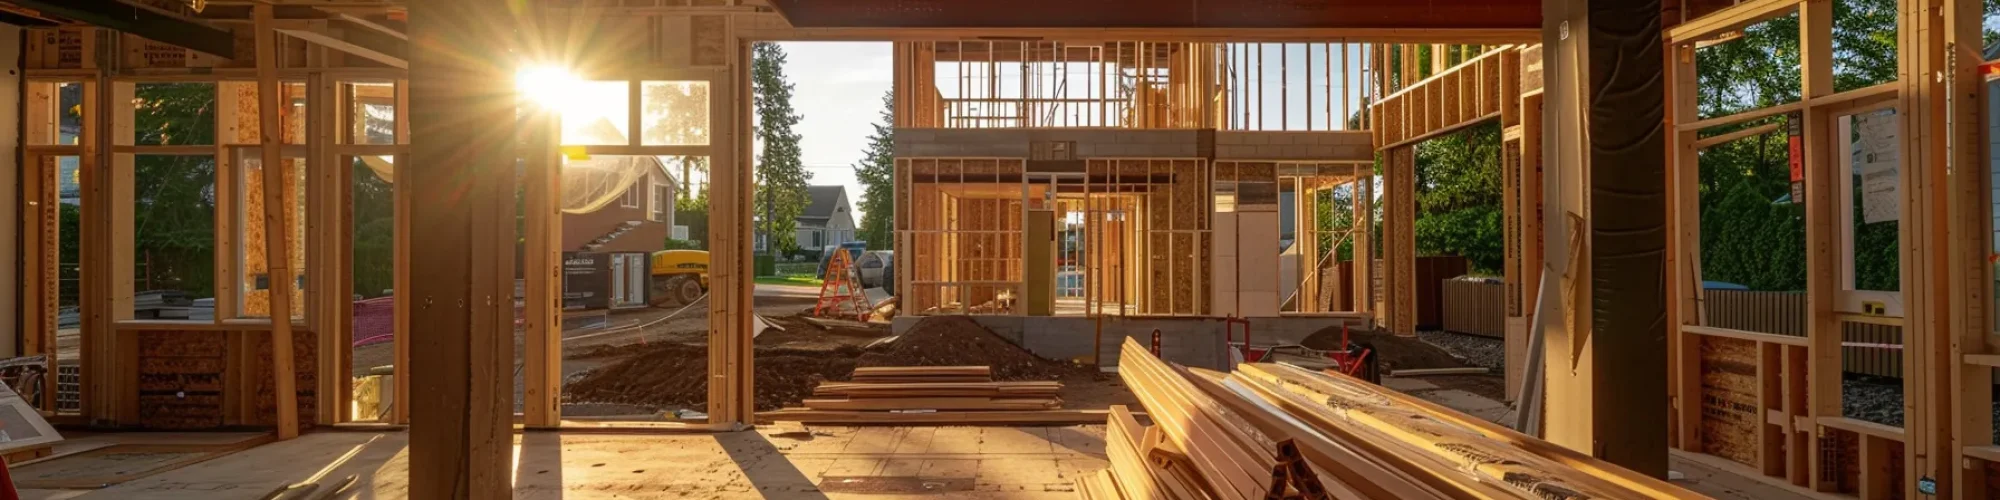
column 1279, row 431
column 914, row 395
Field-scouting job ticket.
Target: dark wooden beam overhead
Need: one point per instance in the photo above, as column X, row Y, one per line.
column 1411, row 14
column 132, row 19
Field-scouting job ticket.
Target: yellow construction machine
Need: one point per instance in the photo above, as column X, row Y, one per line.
column 679, row 276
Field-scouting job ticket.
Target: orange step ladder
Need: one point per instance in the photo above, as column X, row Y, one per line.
column 840, row 294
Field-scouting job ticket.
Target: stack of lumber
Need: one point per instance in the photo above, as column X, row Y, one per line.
column 936, row 394
column 1278, row 431
column 922, row 374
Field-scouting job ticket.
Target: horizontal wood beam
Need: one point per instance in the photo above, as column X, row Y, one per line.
column 130, row 18
column 1709, row 331
column 382, row 55
column 1731, row 18
column 1712, row 141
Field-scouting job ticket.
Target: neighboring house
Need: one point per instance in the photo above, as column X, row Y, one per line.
column 639, row 221
column 828, row 219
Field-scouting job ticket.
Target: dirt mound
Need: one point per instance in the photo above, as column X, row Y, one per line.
column 676, row 376
column 799, row 332
column 960, row 341
column 1395, row 353
column 792, row 362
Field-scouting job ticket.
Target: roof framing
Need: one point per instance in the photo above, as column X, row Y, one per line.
column 1429, row 15
column 140, row 21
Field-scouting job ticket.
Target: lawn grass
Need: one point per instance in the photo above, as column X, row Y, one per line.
column 789, row 280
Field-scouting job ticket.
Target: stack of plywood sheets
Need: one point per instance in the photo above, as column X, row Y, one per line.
column 947, row 394
column 1278, row 431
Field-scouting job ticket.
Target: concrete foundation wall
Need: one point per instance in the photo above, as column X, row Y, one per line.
column 1194, row 342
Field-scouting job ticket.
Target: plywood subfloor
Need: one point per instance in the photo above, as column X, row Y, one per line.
column 822, row 462
column 103, row 460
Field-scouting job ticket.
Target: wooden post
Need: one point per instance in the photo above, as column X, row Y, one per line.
column 1399, row 260
column 276, row 239
column 730, row 382
column 1363, row 299
column 1969, row 223
column 1823, row 333
column 542, row 271
column 404, row 200
column 1603, row 58
column 460, row 170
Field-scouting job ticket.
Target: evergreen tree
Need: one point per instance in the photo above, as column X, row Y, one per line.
column 877, row 172
column 781, row 178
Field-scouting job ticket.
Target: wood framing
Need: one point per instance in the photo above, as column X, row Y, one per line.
column 278, row 259
column 459, row 428
column 1399, row 246
column 542, row 270
column 1945, row 283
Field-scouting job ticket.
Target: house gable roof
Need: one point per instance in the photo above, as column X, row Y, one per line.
column 824, row 200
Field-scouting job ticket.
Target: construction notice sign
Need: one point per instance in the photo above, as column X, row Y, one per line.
column 586, row 281
column 1877, row 160
column 1795, row 142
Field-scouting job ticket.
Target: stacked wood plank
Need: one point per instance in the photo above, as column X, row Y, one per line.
column 1277, row 431
column 947, row 394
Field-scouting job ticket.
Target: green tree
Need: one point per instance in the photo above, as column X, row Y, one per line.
column 173, row 212
column 692, row 211
column 1752, row 233
column 1458, row 197
column 877, row 172
column 374, row 232
column 781, row 178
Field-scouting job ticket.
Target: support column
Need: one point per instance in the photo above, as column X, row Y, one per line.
column 461, row 170
column 1363, row 298
column 10, row 201
column 1399, row 245
column 1970, row 222
column 1603, row 58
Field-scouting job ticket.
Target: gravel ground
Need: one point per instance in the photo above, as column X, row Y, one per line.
column 1474, row 350
column 1880, row 400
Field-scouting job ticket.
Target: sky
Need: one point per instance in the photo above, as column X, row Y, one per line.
column 837, row 88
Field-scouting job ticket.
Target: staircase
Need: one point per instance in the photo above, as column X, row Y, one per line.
column 615, row 232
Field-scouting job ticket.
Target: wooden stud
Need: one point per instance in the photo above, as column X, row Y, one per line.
column 543, row 271
column 1823, row 329
column 1399, row 249
column 1685, row 251
column 731, row 385
column 112, row 224
column 1965, row 423
column 278, row 262
column 405, row 202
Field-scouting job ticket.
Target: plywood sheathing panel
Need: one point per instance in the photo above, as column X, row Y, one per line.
column 1729, row 399
column 262, row 391
column 186, row 379
column 182, row 379
column 291, row 119
column 256, row 302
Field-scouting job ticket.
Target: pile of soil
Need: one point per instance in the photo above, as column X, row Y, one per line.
column 676, row 376
column 791, row 363
column 960, row 341
column 1395, row 353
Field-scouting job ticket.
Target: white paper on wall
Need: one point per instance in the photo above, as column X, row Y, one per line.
column 1878, row 160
